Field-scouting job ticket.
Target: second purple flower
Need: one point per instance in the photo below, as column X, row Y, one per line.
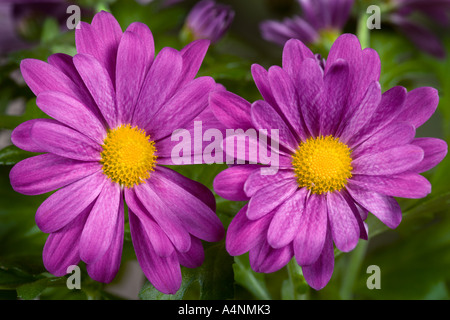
column 345, row 149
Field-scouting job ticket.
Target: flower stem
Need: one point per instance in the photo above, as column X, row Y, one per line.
column 299, row 286
column 352, row 271
column 362, row 31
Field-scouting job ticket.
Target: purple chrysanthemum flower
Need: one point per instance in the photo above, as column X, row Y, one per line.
column 114, row 106
column 319, row 17
column 209, row 20
column 436, row 14
column 345, row 149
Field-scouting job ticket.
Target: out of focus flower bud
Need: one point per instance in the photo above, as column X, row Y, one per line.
column 207, row 20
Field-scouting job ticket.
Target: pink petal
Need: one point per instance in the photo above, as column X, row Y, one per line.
column 48, row 172
column 101, row 225
column 286, row 220
column 67, row 203
column 309, row 242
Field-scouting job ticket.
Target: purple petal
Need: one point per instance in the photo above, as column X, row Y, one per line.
column 392, row 161
column 100, row 40
column 344, row 226
column 41, row 77
column 337, row 90
column 159, row 86
column 146, row 36
column 64, row 63
column 21, row 135
column 130, row 71
column 198, row 190
column 265, row 117
column 261, row 78
column 361, row 115
column 405, row 185
column 319, row 274
column 257, row 181
column 294, row 53
column 359, row 213
column 264, row 258
column 394, row 135
column 202, row 136
column 67, row 203
column 169, row 222
column 105, row 269
column 309, row 242
column 159, row 240
column 48, row 172
column 270, row 197
column 193, row 55
column 231, row 110
column 99, row 85
column 434, row 150
column 101, row 225
column 345, row 47
column 348, row 48
column 372, row 69
column 61, row 248
column 383, row 207
column 163, row 272
column 196, row 216
column 243, row 234
column 181, row 109
column 286, row 97
column 286, row 220
column 419, row 105
column 65, row 142
column 389, row 108
column 310, row 89
column 194, row 257
column 72, row 113
column 229, row 183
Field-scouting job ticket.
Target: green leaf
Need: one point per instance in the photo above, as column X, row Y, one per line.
column 32, row 290
column 213, row 280
column 149, row 292
column 160, row 20
column 50, row 30
column 250, row 280
column 11, row 155
column 12, row 277
column 401, row 64
column 411, row 266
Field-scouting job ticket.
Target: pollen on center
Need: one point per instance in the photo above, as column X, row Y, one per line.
column 322, row 164
column 128, row 155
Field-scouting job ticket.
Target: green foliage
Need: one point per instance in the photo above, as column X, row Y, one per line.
column 212, row 281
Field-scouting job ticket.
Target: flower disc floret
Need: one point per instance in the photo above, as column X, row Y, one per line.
column 322, row 164
column 128, row 155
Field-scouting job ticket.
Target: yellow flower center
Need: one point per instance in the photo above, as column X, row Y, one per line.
column 322, row 164
column 128, row 155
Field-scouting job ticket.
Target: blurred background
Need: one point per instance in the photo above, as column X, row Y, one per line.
column 413, row 42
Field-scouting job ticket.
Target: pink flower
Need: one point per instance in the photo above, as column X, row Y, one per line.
column 114, row 106
column 345, row 149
